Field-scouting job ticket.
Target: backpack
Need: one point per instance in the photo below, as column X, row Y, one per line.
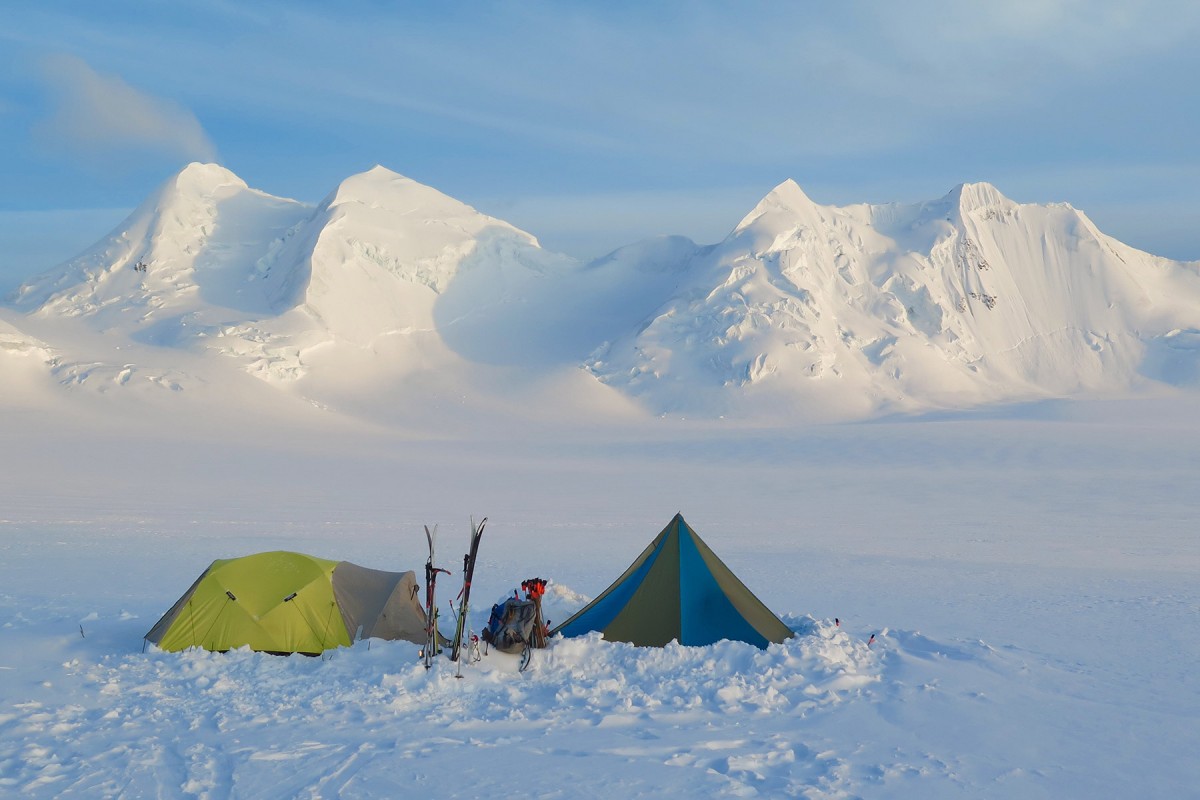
column 510, row 626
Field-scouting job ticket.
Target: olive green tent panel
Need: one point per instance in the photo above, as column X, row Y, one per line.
column 282, row 602
column 659, row 589
column 678, row 590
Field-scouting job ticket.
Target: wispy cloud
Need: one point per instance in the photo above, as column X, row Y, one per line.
column 740, row 83
column 95, row 114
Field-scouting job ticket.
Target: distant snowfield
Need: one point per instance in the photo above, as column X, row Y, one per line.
column 1030, row 575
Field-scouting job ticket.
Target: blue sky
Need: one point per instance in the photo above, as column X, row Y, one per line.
column 594, row 124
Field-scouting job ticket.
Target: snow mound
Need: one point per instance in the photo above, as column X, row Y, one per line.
column 104, row 377
column 25, row 365
column 15, row 343
column 249, row 724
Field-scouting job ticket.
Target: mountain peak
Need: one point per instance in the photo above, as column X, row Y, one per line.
column 187, row 193
column 786, row 198
column 969, row 196
column 379, row 175
column 787, row 195
column 380, row 187
column 380, row 171
column 203, row 178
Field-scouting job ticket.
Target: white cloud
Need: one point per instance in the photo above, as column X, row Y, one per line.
column 96, row 113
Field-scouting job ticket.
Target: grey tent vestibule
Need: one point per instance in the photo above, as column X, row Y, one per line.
column 678, row 589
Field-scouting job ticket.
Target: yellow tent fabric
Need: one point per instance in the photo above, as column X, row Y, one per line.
column 284, row 602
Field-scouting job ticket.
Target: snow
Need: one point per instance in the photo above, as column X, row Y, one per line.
column 1028, row 570
column 835, row 313
column 1030, row 578
column 804, row 312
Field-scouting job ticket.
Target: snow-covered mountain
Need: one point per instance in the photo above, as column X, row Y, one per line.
column 807, row 310
column 965, row 300
column 208, row 264
column 185, row 248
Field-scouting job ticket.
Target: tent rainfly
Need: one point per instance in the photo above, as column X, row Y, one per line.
column 281, row 602
column 678, row 589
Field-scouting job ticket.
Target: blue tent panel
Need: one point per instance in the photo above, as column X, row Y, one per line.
column 706, row 614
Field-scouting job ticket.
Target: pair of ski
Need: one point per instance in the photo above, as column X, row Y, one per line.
column 462, row 630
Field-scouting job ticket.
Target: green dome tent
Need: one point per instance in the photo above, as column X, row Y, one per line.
column 678, row 589
column 281, row 602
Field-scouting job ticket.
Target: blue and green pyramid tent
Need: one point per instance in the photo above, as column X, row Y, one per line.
column 678, row 589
